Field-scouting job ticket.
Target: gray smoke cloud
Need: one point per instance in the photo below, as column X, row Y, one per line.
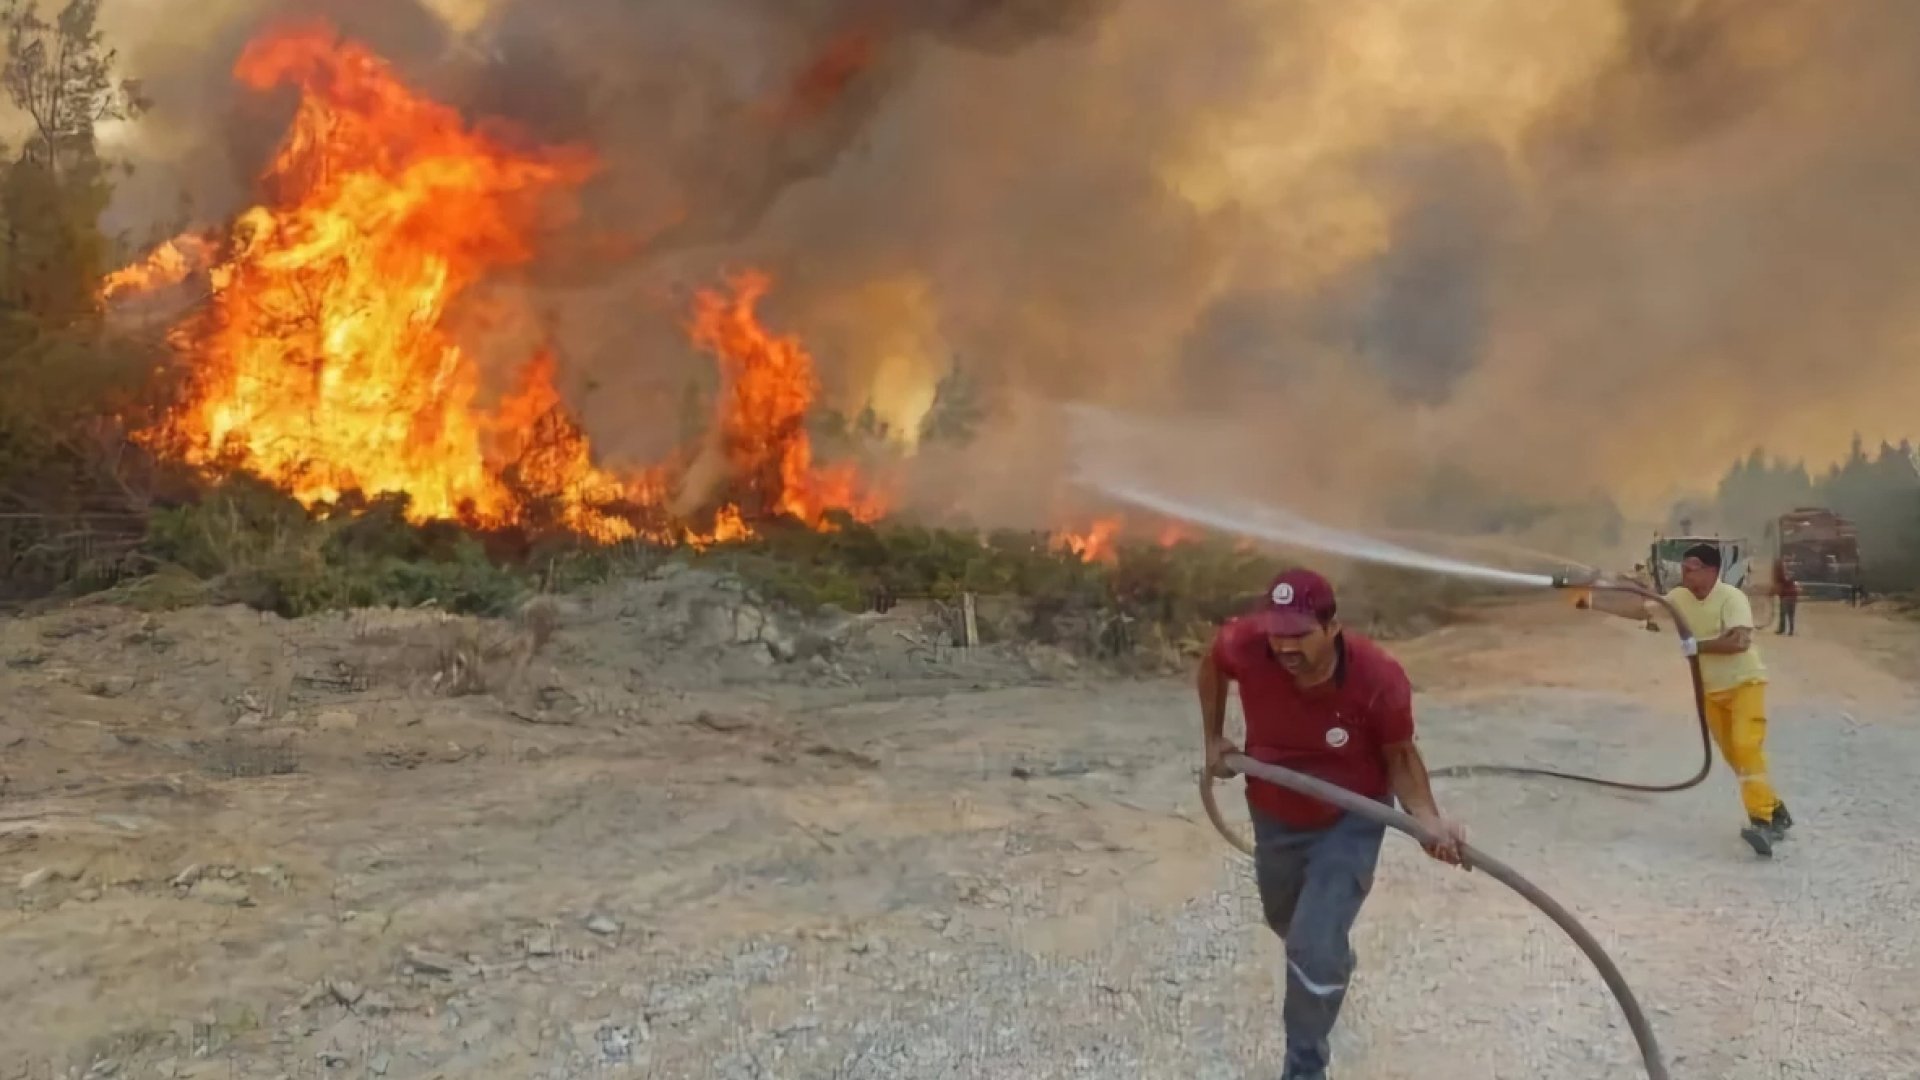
column 1599, row 246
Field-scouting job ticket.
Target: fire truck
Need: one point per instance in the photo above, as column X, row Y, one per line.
column 1736, row 560
column 1821, row 550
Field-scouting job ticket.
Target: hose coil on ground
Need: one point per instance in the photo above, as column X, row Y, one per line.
column 1687, row 647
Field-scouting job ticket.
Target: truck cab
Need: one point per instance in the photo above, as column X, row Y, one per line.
column 1663, row 560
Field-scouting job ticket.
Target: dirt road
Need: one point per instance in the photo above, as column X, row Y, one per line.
column 231, row 848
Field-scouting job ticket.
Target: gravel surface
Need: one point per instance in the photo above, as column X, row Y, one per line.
column 948, row 881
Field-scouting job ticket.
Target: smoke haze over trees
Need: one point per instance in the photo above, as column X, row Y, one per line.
column 1879, row 492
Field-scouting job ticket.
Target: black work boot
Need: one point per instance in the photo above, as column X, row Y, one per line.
column 1781, row 822
column 1759, row 836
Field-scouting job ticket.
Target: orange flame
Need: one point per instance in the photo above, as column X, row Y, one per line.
column 1099, row 542
column 770, row 389
column 326, row 362
column 169, row 264
column 728, row 528
column 548, row 458
column 1095, row 543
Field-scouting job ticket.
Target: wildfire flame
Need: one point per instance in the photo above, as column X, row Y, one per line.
column 169, row 264
column 324, row 362
column 1099, row 542
column 770, row 391
column 1095, row 543
column 550, row 456
column 326, row 359
column 728, row 528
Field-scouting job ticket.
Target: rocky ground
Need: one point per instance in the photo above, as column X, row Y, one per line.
column 684, row 838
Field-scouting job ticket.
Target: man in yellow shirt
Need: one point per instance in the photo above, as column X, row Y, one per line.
column 1721, row 620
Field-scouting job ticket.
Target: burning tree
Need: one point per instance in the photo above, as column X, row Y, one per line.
column 325, row 362
column 328, row 363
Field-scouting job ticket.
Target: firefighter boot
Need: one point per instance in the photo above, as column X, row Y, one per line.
column 1782, row 821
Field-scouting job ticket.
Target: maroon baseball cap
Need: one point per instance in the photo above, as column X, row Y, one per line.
column 1298, row 602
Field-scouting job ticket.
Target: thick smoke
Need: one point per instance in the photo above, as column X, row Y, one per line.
column 1557, row 249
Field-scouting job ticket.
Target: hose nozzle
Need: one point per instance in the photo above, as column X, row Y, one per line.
column 1575, row 579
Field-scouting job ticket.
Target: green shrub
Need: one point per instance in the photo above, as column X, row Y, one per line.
column 249, row 543
column 1163, row 599
column 568, row 563
column 856, row 563
column 255, row 545
column 805, row 587
column 240, row 525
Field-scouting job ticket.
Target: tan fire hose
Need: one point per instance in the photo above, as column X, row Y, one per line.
column 1479, row 860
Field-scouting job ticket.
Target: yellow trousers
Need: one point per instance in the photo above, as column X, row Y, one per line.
column 1738, row 720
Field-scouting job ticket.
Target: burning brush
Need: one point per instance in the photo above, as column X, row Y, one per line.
column 325, row 359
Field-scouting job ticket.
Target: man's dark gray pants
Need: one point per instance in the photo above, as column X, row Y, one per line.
column 1312, row 883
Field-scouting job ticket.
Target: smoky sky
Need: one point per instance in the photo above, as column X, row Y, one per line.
column 1592, row 246
column 1424, row 303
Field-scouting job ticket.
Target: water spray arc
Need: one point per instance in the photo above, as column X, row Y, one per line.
column 1243, row 517
column 1246, row 518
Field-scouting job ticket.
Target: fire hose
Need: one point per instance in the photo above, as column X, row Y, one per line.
column 1688, row 647
column 1474, row 858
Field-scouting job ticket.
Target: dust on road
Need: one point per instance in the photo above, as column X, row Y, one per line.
column 691, row 841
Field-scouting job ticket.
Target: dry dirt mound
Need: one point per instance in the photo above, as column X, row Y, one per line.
column 230, row 692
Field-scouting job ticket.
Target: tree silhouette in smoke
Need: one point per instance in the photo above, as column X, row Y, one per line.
column 1879, row 493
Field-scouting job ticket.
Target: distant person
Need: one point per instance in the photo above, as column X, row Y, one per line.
column 1786, row 595
column 1721, row 621
column 1327, row 702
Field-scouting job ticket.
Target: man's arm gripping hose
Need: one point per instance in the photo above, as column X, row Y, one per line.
column 1473, row 857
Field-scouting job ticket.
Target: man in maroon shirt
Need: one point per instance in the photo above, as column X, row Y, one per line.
column 1786, row 593
column 1329, row 703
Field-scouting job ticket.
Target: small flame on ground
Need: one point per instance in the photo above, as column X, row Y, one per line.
column 728, row 528
column 1093, row 544
column 1099, row 542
